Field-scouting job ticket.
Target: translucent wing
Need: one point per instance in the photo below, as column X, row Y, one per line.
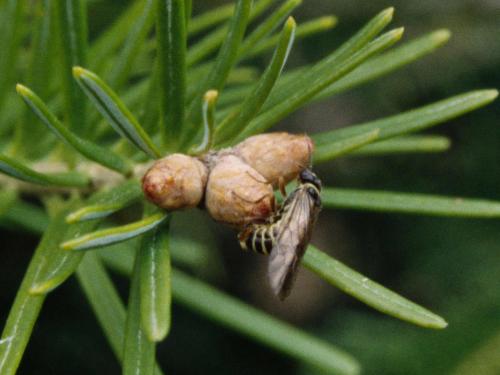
column 294, row 234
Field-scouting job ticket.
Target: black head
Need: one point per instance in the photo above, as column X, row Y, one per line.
column 308, row 176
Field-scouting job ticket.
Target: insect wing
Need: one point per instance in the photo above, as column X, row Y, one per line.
column 295, row 229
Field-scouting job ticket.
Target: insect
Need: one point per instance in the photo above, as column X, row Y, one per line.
column 286, row 234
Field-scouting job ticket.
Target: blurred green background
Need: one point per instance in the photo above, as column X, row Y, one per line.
column 451, row 266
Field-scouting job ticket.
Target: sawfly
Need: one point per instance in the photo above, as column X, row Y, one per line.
column 285, row 234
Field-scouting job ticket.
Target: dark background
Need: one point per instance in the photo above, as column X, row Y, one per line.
column 451, row 266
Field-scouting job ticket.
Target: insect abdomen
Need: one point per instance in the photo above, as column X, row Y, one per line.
column 260, row 239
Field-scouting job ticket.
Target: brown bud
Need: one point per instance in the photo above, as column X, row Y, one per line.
column 237, row 194
column 175, row 182
column 276, row 155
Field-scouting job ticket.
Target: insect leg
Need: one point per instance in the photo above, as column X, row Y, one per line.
column 281, row 184
column 244, row 235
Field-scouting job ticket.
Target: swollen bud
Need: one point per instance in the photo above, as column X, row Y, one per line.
column 237, row 194
column 175, row 182
column 237, row 182
column 276, row 155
